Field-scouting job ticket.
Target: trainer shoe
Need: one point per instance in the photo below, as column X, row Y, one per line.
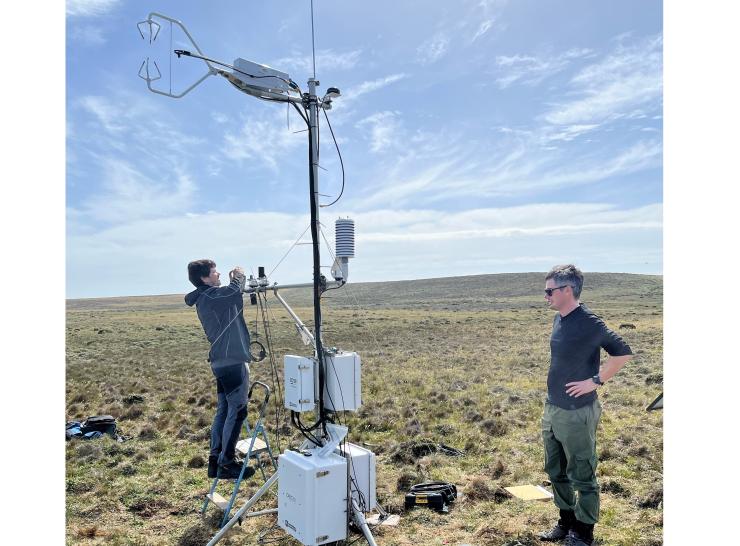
column 212, row 466
column 232, row 470
column 555, row 534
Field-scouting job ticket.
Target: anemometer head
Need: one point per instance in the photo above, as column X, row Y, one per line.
column 251, row 78
column 151, row 28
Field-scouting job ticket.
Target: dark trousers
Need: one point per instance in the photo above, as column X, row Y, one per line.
column 570, row 458
column 232, row 386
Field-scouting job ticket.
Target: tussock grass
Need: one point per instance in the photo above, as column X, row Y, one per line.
column 460, row 362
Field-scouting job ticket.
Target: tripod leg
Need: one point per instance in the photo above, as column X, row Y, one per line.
column 262, row 490
column 360, row 520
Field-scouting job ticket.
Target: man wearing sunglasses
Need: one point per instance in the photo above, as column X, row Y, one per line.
column 572, row 409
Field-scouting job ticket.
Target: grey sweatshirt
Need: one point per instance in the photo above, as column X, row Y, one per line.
column 220, row 310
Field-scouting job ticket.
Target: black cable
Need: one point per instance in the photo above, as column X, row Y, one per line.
column 180, row 52
column 330, row 289
column 340, row 159
column 295, row 418
column 300, row 113
column 278, row 401
column 271, row 99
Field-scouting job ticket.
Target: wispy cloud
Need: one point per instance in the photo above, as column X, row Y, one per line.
column 519, row 167
column 384, row 130
column 326, row 59
column 433, row 49
column 531, row 70
column 397, row 191
column 263, row 139
column 625, row 81
column 373, row 85
column 566, row 133
column 343, row 107
column 128, row 195
column 90, row 8
column 107, row 113
column 219, row 117
column 129, row 123
column 87, row 35
column 531, row 175
column 399, row 243
column 484, row 27
column 527, row 220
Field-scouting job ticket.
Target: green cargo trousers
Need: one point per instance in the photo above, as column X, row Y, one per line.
column 570, row 458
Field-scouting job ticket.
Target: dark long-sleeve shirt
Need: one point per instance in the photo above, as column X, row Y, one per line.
column 575, row 345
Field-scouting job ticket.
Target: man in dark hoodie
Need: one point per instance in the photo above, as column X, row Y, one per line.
column 220, row 310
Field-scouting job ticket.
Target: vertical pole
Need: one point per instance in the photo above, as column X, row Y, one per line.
column 313, row 147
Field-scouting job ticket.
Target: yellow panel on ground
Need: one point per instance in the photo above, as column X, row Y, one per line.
column 530, row 492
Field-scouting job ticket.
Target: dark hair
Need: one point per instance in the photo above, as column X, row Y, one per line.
column 198, row 269
column 567, row 274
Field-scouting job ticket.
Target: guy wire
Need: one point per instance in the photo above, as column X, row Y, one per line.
column 289, row 250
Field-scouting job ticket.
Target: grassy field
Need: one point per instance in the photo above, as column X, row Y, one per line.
column 459, row 361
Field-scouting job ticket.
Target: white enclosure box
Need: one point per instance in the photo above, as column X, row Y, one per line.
column 299, row 383
column 342, row 386
column 261, row 76
column 362, row 474
column 312, row 496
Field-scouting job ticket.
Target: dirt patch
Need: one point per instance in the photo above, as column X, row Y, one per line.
column 615, row 488
column 195, row 536
column 146, row 508
column 653, row 500
column 196, row 462
column 411, row 451
column 497, row 470
column 495, row 427
column 148, row 433
column 91, row 532
column 133, row 399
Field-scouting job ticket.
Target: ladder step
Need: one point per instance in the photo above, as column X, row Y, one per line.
column 243, row 446
column 218, row 500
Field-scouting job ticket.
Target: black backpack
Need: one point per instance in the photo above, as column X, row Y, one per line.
column 100, row 423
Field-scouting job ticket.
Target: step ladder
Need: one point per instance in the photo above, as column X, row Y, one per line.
column 252, row 447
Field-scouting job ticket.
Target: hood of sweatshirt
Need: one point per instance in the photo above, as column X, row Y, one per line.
column 193, row 296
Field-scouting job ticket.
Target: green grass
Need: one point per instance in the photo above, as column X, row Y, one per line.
column 461, row 361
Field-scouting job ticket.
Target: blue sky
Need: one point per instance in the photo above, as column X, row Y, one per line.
column 477, row 137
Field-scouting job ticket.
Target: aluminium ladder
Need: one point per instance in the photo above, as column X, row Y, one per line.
column 251, row 447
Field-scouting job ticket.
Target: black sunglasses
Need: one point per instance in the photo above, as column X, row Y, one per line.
column 549, row 291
